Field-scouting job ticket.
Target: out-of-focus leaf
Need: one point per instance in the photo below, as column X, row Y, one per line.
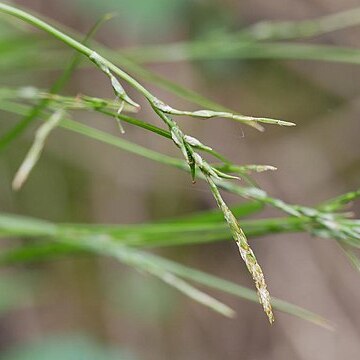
column 237, row 290
column 243, row 50
column 103, row 243
column 216, row 215
column 351, row 255
column 145, row 235
column 340, row 201
column 54, row 250
column 23, row 226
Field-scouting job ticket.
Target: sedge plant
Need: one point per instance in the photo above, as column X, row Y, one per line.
column 123, row 242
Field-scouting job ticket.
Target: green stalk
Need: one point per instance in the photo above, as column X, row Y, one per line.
column 108, row 67
column 56, row 87
column 81, row 48
column 333, row 228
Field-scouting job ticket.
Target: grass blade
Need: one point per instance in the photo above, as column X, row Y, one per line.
column 340, row 201
column 212, row 216
column 103, row 245
column 49, row 251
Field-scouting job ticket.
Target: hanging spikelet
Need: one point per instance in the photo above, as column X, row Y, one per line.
column 245, row 251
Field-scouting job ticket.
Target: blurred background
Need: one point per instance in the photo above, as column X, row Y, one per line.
column 93, row 308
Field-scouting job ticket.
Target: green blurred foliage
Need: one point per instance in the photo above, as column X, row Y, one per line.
column 155, row 19
column 16, row 291
column 138, row 16
column 66, row 347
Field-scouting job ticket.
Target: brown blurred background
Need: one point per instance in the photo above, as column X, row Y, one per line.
column 80, row 180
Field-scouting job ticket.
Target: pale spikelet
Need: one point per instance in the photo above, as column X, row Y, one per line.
column 117, row 87
column 255, row 270
column 245, row 251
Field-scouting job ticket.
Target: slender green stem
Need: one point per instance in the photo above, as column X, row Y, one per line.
column 20, row 127
column 109, row 68
column 333, row 227
column 21, row 109
column 187, row 145
column 78, row 46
